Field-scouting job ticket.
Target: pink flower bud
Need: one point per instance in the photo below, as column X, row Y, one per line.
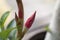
column 17, row 20
column 30, row 21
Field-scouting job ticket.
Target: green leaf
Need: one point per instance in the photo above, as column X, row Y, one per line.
column 4, row 34
column 3, row 19
column 4, row 16
column 12, row 35
column 11, row 24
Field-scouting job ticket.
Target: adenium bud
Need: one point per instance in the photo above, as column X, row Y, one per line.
column 30, row 21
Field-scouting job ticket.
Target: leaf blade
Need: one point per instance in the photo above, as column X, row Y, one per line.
column 11, row 24
column 4, row 16
column 3, row 19
column 4, row 34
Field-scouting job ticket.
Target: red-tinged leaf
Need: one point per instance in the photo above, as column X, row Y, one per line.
column 20, row 9
column 30, row 20
column 16, row 17
column 20, row 18
column 20, row 14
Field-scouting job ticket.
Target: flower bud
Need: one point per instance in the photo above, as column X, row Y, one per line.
column 30, row 21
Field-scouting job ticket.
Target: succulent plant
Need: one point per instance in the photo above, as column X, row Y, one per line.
column 9, row 31
column 20, row 20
